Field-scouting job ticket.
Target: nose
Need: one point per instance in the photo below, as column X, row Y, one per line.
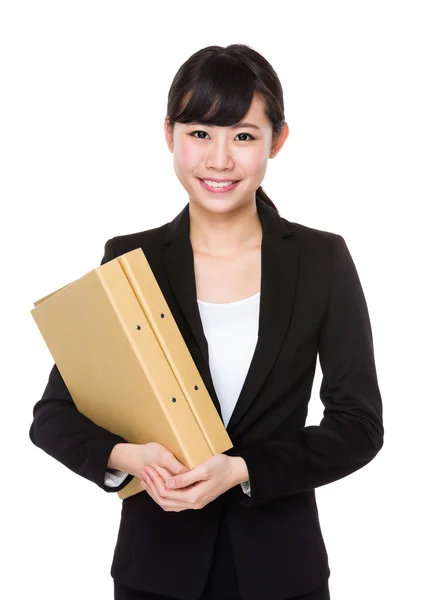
column 219, row 155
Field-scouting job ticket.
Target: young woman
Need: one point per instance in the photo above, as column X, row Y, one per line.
column 257, row 298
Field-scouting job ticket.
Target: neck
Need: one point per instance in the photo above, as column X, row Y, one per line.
column 224, row 233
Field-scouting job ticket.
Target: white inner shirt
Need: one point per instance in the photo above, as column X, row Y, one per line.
column 231, row 331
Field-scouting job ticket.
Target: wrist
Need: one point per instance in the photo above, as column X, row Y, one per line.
column 239, row 469
column 122, row 458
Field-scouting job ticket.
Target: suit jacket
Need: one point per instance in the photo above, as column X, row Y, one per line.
column 311, row 304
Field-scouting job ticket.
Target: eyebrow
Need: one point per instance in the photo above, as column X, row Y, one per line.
column 237, row 126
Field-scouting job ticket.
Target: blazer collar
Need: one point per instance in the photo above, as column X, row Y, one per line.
column 279, row 265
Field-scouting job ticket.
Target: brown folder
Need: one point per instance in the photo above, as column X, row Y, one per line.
column 126, row 364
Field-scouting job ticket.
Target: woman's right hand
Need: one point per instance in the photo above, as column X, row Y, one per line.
column 132, row 458
column 160, row 458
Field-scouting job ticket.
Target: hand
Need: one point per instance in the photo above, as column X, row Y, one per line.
column 132, row 458
column 157, row 456
column 195, row 488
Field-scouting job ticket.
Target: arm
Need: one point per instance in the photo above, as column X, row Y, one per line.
column 123, row 461
column 64, row 433
column 351, row 432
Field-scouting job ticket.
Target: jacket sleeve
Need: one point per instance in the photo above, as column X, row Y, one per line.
column 351, row 432
column 67, row 435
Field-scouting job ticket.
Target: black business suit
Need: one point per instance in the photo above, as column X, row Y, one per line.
column 311, row 302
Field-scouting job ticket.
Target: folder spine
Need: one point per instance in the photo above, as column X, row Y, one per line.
column 153, row 303
column 154, row 365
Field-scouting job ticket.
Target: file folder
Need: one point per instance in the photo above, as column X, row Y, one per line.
column 126, row 364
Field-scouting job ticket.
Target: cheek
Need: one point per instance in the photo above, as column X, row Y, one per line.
column 187, row 156
column 254, row 159
column 254, row 164
column 258, row 163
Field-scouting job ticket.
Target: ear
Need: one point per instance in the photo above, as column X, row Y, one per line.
column 279, row 141
column 169, row 135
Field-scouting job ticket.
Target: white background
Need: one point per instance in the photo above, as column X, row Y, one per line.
column 83, row 158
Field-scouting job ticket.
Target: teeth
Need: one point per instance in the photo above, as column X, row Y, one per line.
column 218, row 184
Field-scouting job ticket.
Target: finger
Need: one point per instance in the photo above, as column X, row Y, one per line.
column 170, row 462
column 186, row 479
column 166, row 498
column 145, row 483
column 150, row 487
column 155, row 481
column 163, row 472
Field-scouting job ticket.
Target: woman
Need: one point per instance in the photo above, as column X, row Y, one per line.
column 257, row 299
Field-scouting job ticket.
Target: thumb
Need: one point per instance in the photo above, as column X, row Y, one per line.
column 184, row 479
column 182, row 468
column 172, row 464
column 175, row 481
column 178, row 468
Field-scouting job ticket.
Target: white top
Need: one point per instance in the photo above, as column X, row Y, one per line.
column 231, row 331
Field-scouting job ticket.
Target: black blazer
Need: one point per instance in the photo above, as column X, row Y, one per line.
column 311, row 303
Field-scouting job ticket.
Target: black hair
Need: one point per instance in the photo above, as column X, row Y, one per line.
column 216, row 86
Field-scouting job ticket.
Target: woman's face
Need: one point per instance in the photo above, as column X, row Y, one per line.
column 237, row 153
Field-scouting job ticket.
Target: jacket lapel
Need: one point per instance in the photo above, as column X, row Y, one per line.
column 279, row 264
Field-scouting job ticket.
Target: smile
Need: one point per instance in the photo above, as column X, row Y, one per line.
column 218, row 187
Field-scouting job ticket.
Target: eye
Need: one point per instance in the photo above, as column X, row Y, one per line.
column 198, row 131
column 248, row 136
column 202, row 138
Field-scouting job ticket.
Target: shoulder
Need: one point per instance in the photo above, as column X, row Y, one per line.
column 130, row 241
column 312, row 238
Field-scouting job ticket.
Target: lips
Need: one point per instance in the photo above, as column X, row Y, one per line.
column 220, row 180
column 218, row 189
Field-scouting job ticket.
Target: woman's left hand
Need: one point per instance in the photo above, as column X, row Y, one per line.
column 195, row 488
